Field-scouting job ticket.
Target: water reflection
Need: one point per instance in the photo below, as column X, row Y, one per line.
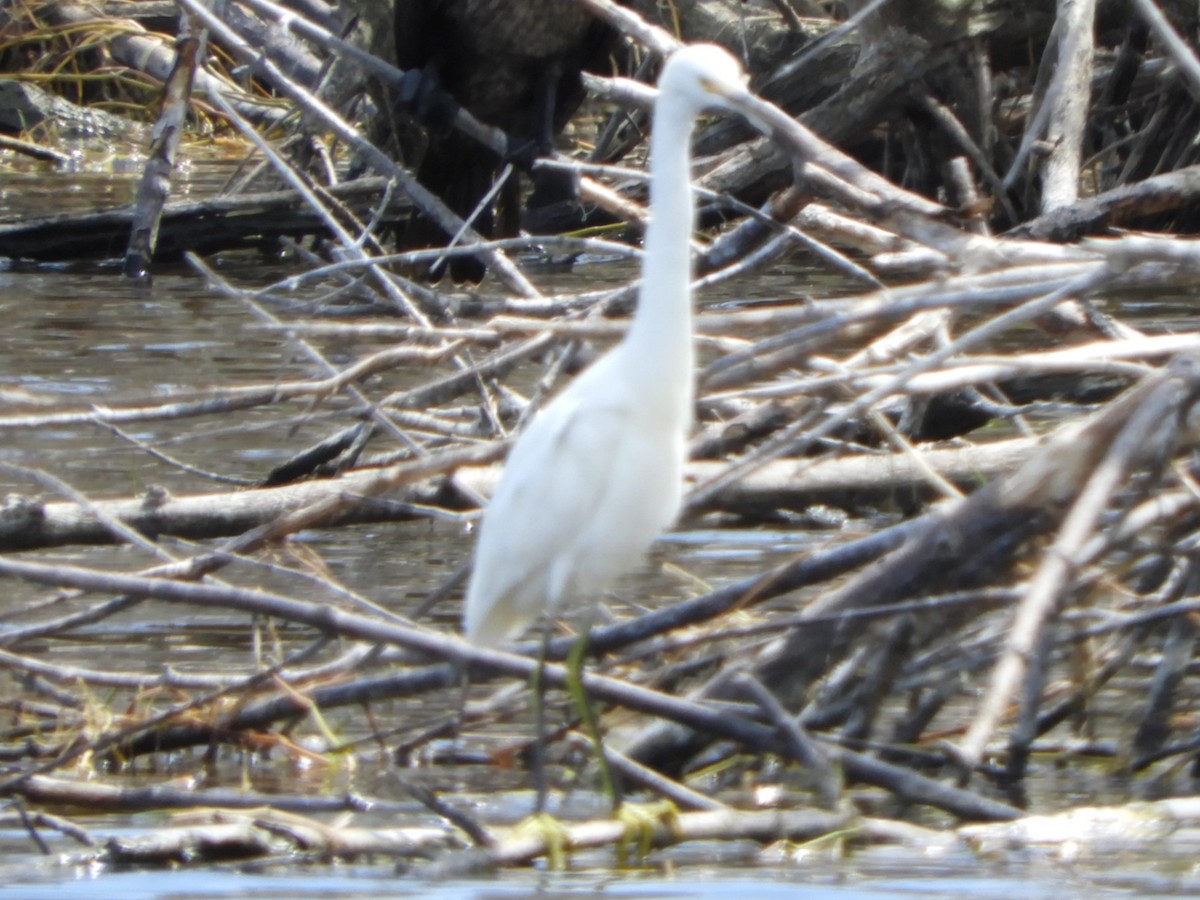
column 808, row 883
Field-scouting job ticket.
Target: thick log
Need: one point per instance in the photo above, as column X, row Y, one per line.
column 888, row 478
column 206, row 226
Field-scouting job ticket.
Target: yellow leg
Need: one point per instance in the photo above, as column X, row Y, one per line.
column 639, row 819
column 575, row 688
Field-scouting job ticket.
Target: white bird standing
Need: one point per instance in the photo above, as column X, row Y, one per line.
column 598, row 474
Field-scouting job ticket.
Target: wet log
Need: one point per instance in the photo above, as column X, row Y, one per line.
column 1149, row 829
column 1125, row 206
column 249, row 221
column 280, row 510
column 229, row 836
column 871, row 480
column 24, row 106
column 156, row 176
column 632, row 840
column 963, row 544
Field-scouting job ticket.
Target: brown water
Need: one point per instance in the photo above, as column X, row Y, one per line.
column 78, row 338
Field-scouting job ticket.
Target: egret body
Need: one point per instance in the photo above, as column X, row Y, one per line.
column 597, row 475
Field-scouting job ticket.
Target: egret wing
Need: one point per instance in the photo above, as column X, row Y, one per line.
column 556, row 478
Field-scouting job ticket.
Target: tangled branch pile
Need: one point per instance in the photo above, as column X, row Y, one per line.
column 929, row 656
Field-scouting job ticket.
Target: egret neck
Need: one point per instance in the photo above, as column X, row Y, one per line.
column 659, row 343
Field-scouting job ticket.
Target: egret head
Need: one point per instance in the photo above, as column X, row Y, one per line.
column 705, row 74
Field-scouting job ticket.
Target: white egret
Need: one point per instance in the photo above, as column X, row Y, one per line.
column 598, row 474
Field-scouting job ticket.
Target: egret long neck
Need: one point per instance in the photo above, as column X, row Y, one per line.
column 660, row 338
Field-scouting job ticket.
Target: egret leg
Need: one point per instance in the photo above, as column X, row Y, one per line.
column 575, row 661
column 640, row 819
column 553, row 832
column 574, row 666
column 539, row 718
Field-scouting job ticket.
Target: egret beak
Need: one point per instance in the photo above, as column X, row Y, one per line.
column 741, row 101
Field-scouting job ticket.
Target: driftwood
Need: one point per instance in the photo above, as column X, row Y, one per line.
column 200, row 226
column 168, row 130
column 864, row 481
column 1080, row 835
column 233, row 836
column 26, row 106
column 1012, row 549
column 973, row 541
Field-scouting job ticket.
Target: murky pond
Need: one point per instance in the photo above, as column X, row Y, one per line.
column 76, row 339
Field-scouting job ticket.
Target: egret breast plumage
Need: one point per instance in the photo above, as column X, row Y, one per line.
column 597, row 474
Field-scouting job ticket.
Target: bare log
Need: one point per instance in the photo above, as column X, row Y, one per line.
column 156, row 177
